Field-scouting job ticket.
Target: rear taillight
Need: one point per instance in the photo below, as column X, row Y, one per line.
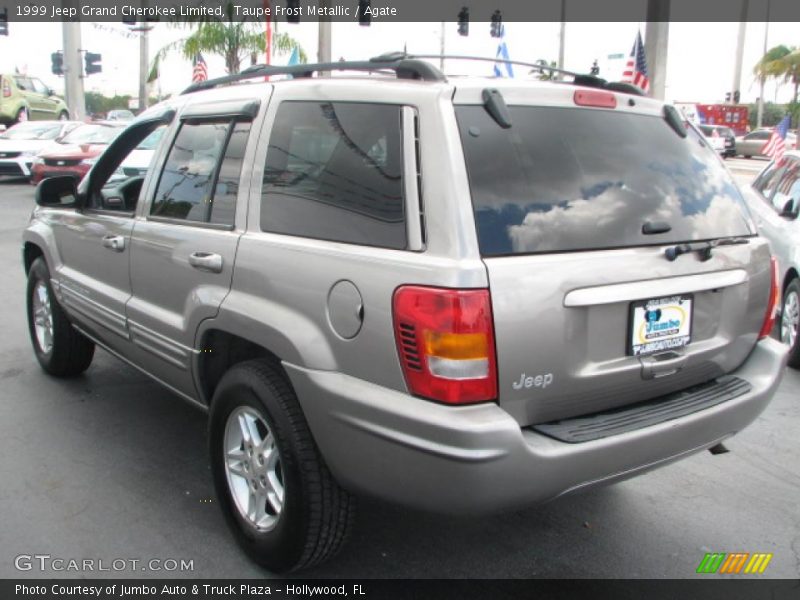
column 774, row 302
column 445, row 339
column 6, row 89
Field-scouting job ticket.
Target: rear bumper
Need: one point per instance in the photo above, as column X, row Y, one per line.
column 477, row 459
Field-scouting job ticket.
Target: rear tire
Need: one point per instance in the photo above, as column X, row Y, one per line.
column 22, row 115
column 790, row 318
column 312, row 516
column 61, row 349
column 63, row 116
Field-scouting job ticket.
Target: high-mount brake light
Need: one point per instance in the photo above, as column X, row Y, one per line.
column 773, row 303
column 445, row 339
column 596, row 98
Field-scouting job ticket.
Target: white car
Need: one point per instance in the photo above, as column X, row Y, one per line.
column 20, row 144
column 775, row 205
column 138, row 161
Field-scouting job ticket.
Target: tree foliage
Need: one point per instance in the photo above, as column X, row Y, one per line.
column 233, row 40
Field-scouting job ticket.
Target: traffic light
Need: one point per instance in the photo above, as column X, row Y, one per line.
column 727, row 97
column 595, row 70
column 736, row 97
column 364, row 17
column 3, row 21
column 92, row 63
column 496, row 29
column 57, row 63
column 463, row 21
column 292, row 11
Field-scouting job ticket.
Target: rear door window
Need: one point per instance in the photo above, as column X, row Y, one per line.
column 567, row 179
column 334, row 172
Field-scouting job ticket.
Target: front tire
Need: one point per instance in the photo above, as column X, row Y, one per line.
column 790, row 319
column 279, row 498
column 61, row 349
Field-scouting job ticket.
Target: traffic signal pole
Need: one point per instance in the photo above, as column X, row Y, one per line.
column 73, row 68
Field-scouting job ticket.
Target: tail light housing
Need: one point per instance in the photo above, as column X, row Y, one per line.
column 774, row 302
column 6, row 87
column 445, row 340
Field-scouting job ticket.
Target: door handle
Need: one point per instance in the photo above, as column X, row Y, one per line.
column 206, row 261
column 661, row 365
column 115, row 242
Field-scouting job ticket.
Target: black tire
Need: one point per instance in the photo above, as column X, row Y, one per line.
column 22, row 116
column 317, row 514
column 71, row 352
column 794, row 350
column 748, row 156
column 63, row 116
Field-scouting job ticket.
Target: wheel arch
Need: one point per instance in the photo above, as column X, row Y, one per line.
column 218, row 351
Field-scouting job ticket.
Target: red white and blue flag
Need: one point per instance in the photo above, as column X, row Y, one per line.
column 199, row 69
column 776, row 144
column 636, row 70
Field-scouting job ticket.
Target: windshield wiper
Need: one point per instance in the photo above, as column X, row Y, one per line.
column 704, row 249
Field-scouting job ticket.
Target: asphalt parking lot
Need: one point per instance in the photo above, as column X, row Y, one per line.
column 110, row 465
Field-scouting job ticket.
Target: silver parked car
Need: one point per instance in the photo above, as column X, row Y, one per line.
column 752, row 144
column 776, row 206
column 459, row 295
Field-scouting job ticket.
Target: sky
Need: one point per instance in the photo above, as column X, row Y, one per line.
column 699, row 62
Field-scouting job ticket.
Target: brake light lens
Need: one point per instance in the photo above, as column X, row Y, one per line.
column 6, row 88
column 595, row 98
column 774, row 302
column 445, row 339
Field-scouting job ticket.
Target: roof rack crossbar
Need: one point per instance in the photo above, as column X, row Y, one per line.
column 404, row 68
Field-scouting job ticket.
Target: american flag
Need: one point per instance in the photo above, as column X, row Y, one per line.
column 199, row 69
column 776, row 146
column 636, row 70
column 502, row 53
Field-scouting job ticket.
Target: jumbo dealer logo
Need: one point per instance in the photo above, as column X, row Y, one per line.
column 660, row 322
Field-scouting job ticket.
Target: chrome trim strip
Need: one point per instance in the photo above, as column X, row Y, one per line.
column 160, row 345
column 93, row 310
column 653, row 288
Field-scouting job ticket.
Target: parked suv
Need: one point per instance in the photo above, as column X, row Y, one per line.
column 461, row 296
column 24, row 98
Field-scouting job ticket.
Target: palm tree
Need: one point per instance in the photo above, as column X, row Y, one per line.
column 231, row 39
column 782, row 64
column 542, row 71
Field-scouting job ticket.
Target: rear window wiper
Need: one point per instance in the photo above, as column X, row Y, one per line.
column 704, row 249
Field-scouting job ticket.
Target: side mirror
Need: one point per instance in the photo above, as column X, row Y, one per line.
column 790, row 209
column 57, row 192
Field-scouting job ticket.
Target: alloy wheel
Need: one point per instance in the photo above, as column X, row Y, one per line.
column 253, row 468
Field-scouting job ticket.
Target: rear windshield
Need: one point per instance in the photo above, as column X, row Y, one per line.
column 565, row 179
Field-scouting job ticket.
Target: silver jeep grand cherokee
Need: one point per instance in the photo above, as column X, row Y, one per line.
column 459, row 295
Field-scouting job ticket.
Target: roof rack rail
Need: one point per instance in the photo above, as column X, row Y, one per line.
column 583, row 79
column 403, row 66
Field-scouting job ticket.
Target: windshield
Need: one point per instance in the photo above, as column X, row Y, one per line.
column 565, row 179
column 32, row 131
column 92, row 134
column 151, row 141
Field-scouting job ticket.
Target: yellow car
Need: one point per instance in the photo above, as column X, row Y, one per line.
column 24, row 98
